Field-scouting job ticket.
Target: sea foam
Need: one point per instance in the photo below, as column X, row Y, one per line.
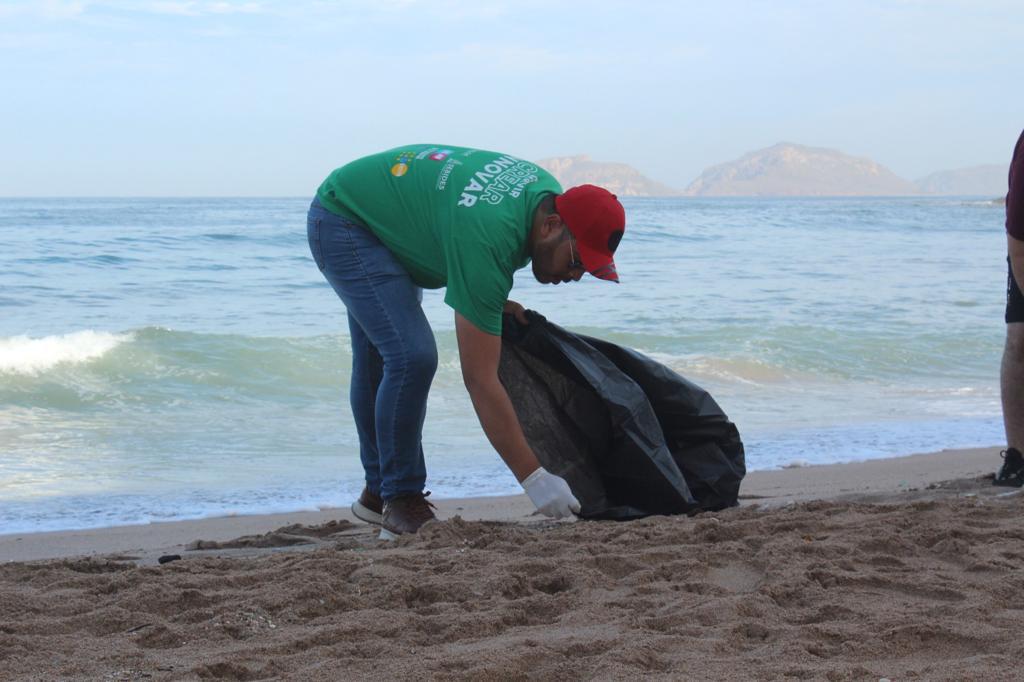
column 26, row 355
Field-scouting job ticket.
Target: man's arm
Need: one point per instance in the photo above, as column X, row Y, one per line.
column 1015, row 247
column 479, row 353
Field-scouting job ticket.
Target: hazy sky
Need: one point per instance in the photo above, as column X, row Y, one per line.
column 122, row 98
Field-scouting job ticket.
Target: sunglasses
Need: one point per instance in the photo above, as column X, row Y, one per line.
column 575, row 263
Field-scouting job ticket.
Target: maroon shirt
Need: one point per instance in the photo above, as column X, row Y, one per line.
column 1015, row 197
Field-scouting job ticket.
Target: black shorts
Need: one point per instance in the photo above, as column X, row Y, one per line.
column 1014, row 299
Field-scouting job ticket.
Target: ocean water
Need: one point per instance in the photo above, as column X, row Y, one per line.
column 180, row 358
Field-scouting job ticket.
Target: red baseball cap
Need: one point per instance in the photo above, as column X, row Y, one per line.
column 597, row 221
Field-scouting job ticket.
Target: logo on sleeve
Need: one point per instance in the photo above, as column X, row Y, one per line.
column 401, row 166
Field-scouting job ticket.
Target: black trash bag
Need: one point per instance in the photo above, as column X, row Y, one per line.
column 630, row 436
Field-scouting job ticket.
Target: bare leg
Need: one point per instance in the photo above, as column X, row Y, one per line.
column 1011, row 374
column 1011, row 384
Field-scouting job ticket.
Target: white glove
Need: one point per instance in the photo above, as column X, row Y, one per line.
column 550, row 494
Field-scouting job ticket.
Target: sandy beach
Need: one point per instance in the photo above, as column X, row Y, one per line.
column 903, row 568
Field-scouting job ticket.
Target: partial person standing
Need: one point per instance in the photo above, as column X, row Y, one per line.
column 384, row 227
column 1011, row 375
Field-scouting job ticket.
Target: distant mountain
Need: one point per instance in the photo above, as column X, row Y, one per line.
column 795, row 170
column 989, row 180
column 617, row 178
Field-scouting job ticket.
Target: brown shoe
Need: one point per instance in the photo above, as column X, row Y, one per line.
column 405, row 514
column 368, row 507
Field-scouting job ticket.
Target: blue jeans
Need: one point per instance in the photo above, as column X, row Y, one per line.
column 394, row 355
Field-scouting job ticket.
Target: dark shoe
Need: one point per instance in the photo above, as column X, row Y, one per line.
column 1012, row 471
column 405, row 514
column 368, row 507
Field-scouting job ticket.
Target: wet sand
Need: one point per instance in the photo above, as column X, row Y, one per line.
column 901, row 568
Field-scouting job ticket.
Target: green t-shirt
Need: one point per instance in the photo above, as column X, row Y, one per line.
column 454, row 217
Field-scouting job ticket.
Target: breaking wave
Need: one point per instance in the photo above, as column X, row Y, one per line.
column 26, row 355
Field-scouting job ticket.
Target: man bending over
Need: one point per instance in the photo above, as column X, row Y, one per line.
column 384, row 227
